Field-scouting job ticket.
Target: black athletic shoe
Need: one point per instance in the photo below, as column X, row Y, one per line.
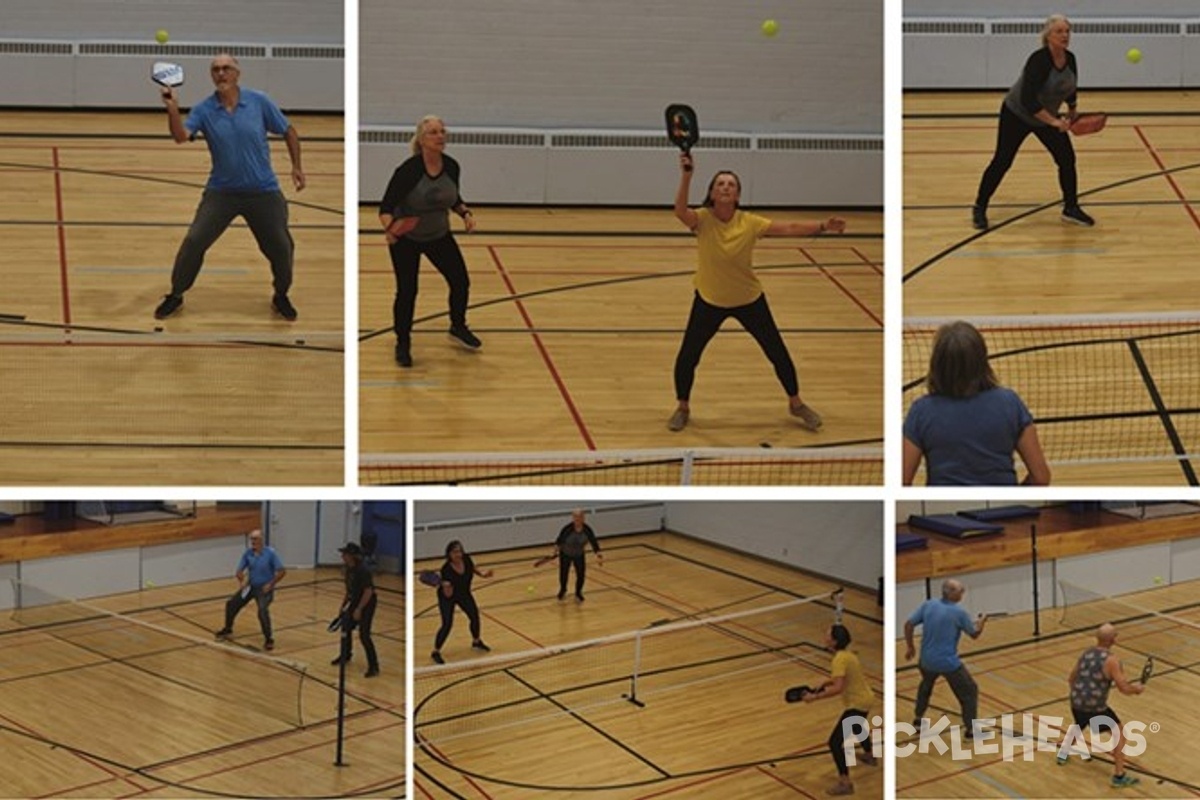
column 561, row 595
column 463, row 336
column 437, row 657
column 284, row 308
column 224, row 633
column 269, row 644
column 578, row 597
column 169, row 305
column 337, row 662
column 1077, row 216
column 979, row 218
column 371, row 672
column 403, row 355
column 479, row 645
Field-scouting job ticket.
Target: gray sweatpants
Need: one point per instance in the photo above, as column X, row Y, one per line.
column 266, row 213
column 963, row 686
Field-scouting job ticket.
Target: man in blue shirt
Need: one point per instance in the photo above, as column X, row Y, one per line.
column 258, row 572
column 943, row 623
column 235, row 123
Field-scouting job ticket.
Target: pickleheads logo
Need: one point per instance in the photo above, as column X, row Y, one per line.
column 1040, row 734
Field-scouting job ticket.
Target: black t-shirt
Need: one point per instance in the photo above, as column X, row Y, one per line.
column 461, row 583
column 358, row 579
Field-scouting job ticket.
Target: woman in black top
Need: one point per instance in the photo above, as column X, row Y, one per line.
column 414, row 216
column 358, row 608
column 1049, row 78
column 457, row 574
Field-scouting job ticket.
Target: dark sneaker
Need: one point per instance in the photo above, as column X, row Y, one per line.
column 479, row 645
column 403, row 355
column 561, row 595
column 578, row 598
column 337, row 662
column 284, row 308
column 169, row 305
column 1077, row 216
column 678, row 420
column 462, row 335
column 224, row 633
column 1124, row 780
column 979, row 218
column 437, row 657
column 371, row 672
column 269, row 644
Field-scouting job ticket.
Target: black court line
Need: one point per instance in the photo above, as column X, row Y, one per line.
column 512, row 298
column 610, row 234
column 1164, row 415
column 149, row 179
column 932, row 260
column 49, row 223
column 1092, row 204
column 992, row 114
column 155, row 137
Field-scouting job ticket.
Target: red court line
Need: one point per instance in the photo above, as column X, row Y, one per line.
column 1170, row 178
column 81, row 756
column 866, row 260
column 537, row 340
column 426, row 744
column 788, row 784
column 62, row 238
column 845, row 290
column 513, row 630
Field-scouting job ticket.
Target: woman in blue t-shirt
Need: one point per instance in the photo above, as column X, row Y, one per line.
column 968, row 425
column 1049, row 78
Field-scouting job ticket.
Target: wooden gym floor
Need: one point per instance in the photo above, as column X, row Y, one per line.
column 1138, row 178
column 93, row 208
column 714, row 723
column 101, row 707
column 581, row 312
column 1020, row 674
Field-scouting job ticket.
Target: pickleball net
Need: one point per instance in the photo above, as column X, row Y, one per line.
column 156, row 644
column 810, row 466
column 539, row 692
column 1162, row 622
column 1102, row 389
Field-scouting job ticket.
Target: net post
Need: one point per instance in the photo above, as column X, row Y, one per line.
column 633, row 677
column 343, row 643
column 1037, row 629
column 685, row 470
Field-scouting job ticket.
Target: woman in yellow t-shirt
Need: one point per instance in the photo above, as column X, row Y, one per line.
column 726, row 285
column 846, row 679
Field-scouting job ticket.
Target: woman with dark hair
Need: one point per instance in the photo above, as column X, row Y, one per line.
column 457, row 574
column 846, row 679
column 415, row 221
column 1048, row 79
column 726, row 285
column 968, row 425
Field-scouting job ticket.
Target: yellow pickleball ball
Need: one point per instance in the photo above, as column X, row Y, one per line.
column 1133, row 55
column 161, row 36
column 770, row 27
column 530, row 588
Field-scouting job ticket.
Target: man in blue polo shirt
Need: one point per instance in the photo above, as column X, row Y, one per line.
column 235, row 123
column 259, row 571
column 943, row 622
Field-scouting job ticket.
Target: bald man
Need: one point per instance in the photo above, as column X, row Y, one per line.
column 943, row 622
column 1095, row 673
column 569, row 547
column 259, row 570
column 235, row 122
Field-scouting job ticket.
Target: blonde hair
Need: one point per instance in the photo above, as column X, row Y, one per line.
column 415, row 142
column 1051, row 21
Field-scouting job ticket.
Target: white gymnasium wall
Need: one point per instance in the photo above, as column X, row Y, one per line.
column 97, row 53
column 1041, row 9
column 185, row 562
column 947, row 46
column 484, row 526
column 519, row 74
column 843, row 540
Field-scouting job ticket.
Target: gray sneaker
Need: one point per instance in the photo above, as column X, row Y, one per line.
column 809, row 419
column 678, row 420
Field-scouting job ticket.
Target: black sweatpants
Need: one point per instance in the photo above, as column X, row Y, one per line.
column 564, row 570
column 837, row 740
column 364, row 633
column 446, row 607
column 445, row 256
column 1011, row 134
column 703, row 323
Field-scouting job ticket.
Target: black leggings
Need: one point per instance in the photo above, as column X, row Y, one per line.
column 445, row 256
column 1012, row 133
column 837, row 740
column 564, row 570
column 702, row 326
column 446, row 606
column 364, row 633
